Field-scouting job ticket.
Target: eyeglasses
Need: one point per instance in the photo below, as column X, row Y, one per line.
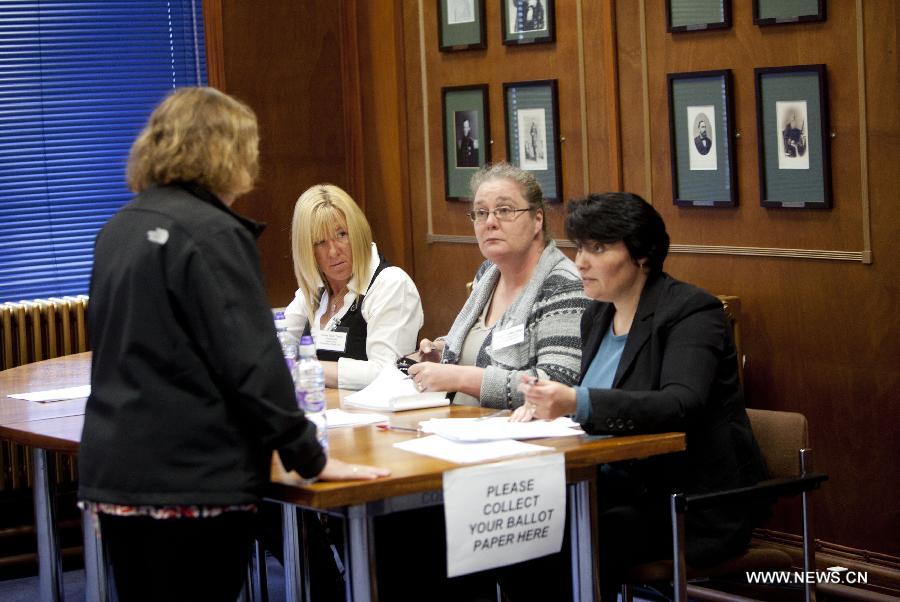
column 502, row 214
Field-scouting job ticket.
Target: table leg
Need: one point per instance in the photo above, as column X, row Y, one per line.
column 294, row 590
column 360, row 578
column 258, row 587
column 579, row 496
column 49, row 565
column 96, row 584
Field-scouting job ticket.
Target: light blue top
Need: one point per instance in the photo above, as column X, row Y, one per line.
column 600, row 373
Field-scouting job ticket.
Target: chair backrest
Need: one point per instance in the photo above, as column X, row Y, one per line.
column 732, row 306
column 781, row 435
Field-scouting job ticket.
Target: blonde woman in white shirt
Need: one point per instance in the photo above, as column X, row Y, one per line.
column 363, row 313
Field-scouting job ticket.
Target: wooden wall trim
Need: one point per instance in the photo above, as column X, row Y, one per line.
column 864, row 256
column 426, row 156
column 696, row 249
column 613, row 116
column 451, row 238
column 471, row 240
column 585, row 150
column 770, row 252
column 863, row 135
column 645, row 80
column 215, row 45
column 351, row 93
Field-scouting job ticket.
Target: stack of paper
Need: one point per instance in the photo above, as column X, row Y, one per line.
column 495, row 429
column 393, row 391
column 78, row 392
column 465, row 453
column 335, row 417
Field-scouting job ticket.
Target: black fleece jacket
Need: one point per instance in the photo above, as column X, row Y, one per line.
column 189, row 394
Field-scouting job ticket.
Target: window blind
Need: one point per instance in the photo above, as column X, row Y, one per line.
column 78, row 80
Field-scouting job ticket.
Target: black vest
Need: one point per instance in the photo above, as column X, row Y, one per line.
column 353, row 324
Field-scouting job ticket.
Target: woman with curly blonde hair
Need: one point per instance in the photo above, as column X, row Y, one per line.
column 189, row 392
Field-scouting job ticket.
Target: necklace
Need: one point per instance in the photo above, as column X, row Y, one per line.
column 336, row 302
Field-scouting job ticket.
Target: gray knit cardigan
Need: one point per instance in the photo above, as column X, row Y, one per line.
column 550, row 306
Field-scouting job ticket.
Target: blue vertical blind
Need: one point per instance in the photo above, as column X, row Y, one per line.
column 77, row 82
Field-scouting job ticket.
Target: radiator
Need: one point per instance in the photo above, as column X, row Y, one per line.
column 31, row 331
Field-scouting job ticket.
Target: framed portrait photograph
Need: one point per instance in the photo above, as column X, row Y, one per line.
column 532, row 132
column 466, row 137
column 793, row 136
column 528, row 21
column 701, row 139
column 782, row 12
column 697, row 15
column 461, row 25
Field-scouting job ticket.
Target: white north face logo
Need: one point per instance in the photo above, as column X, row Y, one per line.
column 159, row 236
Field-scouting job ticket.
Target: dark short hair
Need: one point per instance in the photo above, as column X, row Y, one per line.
column 614, row 216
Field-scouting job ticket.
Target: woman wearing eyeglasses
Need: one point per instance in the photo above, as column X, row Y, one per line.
column 522, row 318
column 525, row 308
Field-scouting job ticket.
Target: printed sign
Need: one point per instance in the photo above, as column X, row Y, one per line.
column 504, row 513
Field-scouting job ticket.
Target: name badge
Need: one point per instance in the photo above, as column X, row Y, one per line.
column 508, row 336
column 331, row 340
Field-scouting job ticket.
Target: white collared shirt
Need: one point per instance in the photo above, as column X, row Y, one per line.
column 392, row 310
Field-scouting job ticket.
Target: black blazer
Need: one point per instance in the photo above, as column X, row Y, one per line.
column 678, row 372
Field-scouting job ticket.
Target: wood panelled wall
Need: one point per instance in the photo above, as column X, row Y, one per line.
column 349, row 91
column 295, row 64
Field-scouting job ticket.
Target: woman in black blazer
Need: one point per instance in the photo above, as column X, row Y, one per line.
column 657, row 356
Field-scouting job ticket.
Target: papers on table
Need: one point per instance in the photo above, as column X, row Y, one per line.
column 336, row 417
column 495, row 429
column 466, row 453
column 393, row 391
column 55, row 394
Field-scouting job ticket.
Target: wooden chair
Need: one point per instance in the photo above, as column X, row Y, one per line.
column 732, row 306
column 784, row 441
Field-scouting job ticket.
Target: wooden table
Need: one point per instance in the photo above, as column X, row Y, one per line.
column 44, row 427
column 415, row 480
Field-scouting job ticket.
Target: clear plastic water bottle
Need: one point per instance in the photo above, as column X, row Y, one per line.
column 287, row 341
column 309, row 382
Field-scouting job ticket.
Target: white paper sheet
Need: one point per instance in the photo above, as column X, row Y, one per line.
column 336, row 417
column 55, row 394
column 494, row 429
column 393, row 391
column 466, row 453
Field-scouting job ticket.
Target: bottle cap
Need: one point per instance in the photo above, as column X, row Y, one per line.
column 307, row 340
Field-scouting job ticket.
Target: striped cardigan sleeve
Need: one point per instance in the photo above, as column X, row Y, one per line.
column 553, row 336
